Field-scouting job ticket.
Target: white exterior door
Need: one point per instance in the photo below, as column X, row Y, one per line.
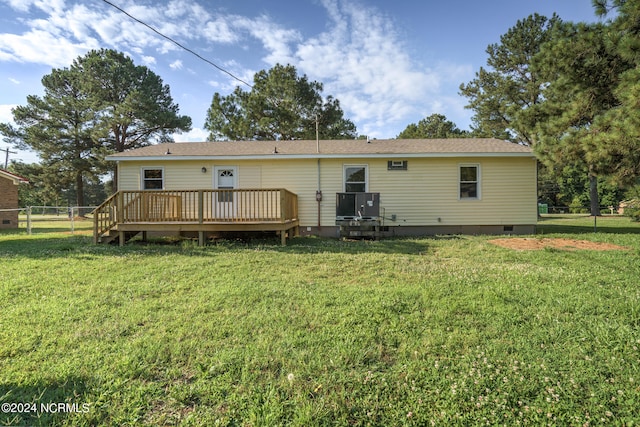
column 225, row 203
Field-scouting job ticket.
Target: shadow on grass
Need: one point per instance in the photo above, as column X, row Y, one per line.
column 395, row 245
column 40, row 247
column 64, row 246
column 43, row 404
column 303, row 245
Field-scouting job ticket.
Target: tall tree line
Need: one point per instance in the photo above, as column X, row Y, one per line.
column 568, row 90
column 103, row 103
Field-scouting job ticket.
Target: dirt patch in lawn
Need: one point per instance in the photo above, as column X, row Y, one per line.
column 528, row 244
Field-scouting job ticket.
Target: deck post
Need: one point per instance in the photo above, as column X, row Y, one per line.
column 200, row 207
column 120, row 208
column 96, row 215
column 200, row 238
column 283, row 205
column 121, row 238
column 283, row 237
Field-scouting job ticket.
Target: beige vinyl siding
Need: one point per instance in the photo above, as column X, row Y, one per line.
column 178, row 175
column 250, row 176
column 428, row 192
column 299, row 177
column 425, row 194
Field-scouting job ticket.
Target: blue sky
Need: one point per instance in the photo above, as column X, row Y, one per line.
column 390, row 63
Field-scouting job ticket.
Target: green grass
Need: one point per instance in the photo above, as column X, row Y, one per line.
column 448, row 330
column 53, row 224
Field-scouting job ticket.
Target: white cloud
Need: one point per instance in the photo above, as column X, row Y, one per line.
column 5, row 113
column 194, row 135
column 360, row 58
column 362, row 61
column 50, row 6
column 14, row 81
column 41, row 47
column 219, row 31
column 148, row 60
column 275, row 39
column 20, row 5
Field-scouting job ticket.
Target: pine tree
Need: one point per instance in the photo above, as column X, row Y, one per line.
column 433, row 126
column 59, row 127
column 279, row 106
column 500, row 95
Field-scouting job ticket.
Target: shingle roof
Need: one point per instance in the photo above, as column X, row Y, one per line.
column 328, row 148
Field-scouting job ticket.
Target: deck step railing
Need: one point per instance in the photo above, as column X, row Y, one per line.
column 195, row 206
column 104, row 217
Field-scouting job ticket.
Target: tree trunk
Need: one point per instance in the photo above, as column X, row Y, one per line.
column 593, row 194
column 79, row 190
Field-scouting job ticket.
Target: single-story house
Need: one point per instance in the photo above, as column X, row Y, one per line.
column 402, row 187
column 9, row 183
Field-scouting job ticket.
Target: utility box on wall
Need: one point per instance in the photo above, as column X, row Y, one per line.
column 357, row 206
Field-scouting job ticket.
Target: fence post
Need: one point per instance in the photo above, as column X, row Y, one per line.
column 72, row 223
column 29, row 220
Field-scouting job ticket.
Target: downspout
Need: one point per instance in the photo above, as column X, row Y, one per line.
column 319, row 191
column 319, row 197
column 115, row 178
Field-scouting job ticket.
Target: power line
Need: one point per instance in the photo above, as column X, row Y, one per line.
column 176, row 43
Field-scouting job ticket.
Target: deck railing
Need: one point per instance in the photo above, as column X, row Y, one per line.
column 195, row 206
column 104, row 217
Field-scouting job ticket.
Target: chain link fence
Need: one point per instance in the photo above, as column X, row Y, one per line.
column 544, row 209
column 34, row 219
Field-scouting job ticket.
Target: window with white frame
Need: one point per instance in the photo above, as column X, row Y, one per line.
column 152, row 179
column 355, row 178
column 469, row 182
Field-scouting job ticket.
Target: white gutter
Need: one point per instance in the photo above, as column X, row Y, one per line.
column 175, row 157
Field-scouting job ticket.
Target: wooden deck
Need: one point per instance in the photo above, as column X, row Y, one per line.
column 127, row 213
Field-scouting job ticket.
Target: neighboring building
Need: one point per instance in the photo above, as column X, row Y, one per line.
column 9, row 198
column 445, row 186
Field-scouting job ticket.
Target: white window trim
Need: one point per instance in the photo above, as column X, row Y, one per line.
column 478, row 181
column 366, row 175
column 146, row 168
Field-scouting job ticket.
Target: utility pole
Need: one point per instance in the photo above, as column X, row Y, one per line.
column 6, row 157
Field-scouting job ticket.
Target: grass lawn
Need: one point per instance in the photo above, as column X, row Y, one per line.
column 449, row 330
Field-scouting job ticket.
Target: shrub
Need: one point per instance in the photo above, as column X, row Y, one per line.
column 632, row 209
column 577, row 206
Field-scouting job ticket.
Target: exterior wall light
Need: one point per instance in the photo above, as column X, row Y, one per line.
column 204, row 170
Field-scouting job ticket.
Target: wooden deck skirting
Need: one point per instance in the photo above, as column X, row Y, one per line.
column 196, row 210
